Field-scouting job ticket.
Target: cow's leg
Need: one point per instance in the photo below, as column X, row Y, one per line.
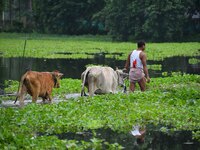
column 48, row 95
column 83, row 91
column 34, row 98
column 43, row 99
column 113, row 87
column 91, row 86
column 50, row 99
column 34, row 90
column 87, row 90
column 23, row 92
column 91, row 92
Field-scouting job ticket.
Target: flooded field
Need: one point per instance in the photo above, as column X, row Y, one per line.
column 106, row 116
column 10, row 103
column 154, row 139
column 13, row 68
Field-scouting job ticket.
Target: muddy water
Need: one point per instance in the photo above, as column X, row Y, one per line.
column 10, row 103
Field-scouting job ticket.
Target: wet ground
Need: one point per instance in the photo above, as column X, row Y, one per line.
column 10, row 103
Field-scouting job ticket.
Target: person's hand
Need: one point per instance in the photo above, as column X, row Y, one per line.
column 148, row 79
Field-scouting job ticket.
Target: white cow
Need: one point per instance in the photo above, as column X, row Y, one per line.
column 101, row 80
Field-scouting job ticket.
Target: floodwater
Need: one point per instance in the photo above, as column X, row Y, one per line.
column 13, row 68
column 154, row 139
column 27, row 100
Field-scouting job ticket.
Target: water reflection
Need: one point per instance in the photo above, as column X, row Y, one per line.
column 154, row 139
column 12, row 68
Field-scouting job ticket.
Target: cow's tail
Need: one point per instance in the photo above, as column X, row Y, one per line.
column 84, row 80
column 20, row 92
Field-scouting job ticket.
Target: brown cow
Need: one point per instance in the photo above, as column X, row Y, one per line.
column 38, row 84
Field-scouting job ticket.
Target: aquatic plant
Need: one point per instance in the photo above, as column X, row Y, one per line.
column 11, row 86
column 172, row 102
column 48, row 46
column 194, row 61
column 68, row 86
column 155, row 67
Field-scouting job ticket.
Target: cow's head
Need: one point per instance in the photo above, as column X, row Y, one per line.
column 121, row 77
column 56, row 77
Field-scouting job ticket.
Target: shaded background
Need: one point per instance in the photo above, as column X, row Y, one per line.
column 156, row 20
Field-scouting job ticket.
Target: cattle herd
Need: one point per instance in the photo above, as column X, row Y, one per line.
column 97, row 79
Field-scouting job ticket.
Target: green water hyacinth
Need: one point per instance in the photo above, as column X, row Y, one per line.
column 172, row 102
column 53, row 46
column 155, row 67
column 194, row 61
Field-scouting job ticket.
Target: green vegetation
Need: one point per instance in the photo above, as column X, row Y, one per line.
column 172, row 102
column 157, row 21
column 155, row 67
column 194, row 61
column 124, row 20
column 38, row 45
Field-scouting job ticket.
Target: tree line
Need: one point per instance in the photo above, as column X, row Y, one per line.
column 153, row 20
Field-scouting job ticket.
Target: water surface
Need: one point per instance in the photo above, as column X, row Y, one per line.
column 13, row 68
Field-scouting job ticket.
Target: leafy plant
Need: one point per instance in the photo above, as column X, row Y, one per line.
column 194, row 61
column 155, row 67
column 172, row 102
column 52, row 46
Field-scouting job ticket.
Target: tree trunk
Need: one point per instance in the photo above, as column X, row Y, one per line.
column 10, row 11
column 19, row 10
column 30, row 5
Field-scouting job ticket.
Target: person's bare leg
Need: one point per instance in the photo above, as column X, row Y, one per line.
column 142, row 84
column 132, row 87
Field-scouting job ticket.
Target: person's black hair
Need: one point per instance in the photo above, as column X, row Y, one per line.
column 140, row 43
column 140, row 141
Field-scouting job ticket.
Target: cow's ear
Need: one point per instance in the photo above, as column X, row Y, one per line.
column 116, row 68
column 60, row 75
column 56, row 71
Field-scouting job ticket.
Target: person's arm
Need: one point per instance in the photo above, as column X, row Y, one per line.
column 144, row 59
column 126, row 67
column 127, row 62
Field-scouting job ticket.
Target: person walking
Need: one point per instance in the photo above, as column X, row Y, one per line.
column 138, row 67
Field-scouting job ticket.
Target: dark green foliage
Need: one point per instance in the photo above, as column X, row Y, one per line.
column 68, row 17
column 153, row 20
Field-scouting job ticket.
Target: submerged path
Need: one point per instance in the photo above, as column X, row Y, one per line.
column 10, row 103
